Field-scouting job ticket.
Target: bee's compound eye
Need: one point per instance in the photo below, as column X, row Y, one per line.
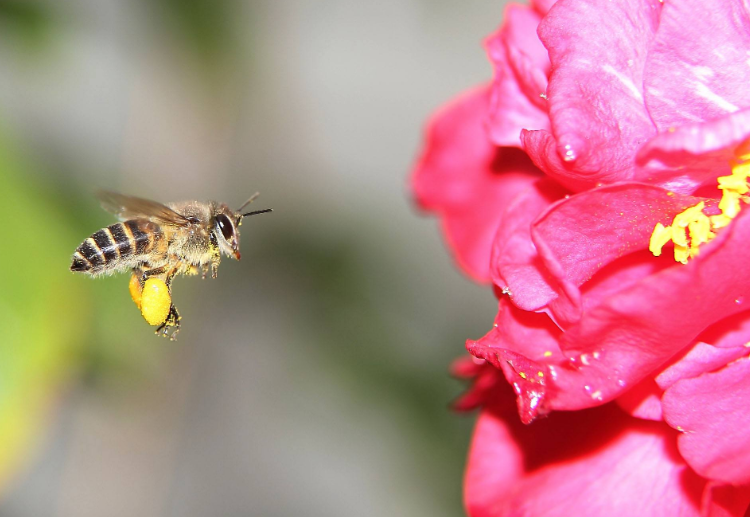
column 225, row 226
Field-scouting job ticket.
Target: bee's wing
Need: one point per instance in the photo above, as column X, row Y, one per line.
column 130, row 207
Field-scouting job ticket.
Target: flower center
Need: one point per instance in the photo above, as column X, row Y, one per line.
column 692, row 227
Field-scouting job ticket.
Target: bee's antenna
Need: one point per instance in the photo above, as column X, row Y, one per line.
column 257, row 212
column 250, row 200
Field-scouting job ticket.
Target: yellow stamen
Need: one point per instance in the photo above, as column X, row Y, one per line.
column 681, row 253
column 662, row 235
column 736, row 182
column 730, row 203
column 692, row 227
column 700, row 231
column 719, row 221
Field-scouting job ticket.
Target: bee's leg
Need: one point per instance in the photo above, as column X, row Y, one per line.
column 171, row 325
column 215, row 256
column 151, row 272
column 173, row 318
column 215, row 261
column 169, row 277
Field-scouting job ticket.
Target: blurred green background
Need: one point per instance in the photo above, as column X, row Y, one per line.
column 312, row 377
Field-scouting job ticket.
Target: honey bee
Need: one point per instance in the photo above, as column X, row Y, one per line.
column 158, row 242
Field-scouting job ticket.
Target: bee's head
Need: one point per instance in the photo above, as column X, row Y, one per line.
column 227, row 230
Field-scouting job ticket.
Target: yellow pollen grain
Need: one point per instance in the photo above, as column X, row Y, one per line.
column 523, row 375
column 547, row 354
column 540, row 374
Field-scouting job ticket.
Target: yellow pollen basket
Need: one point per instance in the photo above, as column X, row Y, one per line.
column 135, row 290
column 691, row 228
column 153, row 300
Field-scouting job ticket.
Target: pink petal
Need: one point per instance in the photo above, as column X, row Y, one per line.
column 697, row 69
column 576, row 237
column 486, row 381
column 643, row 401
column 521, row 65
column 526, row 55
column 468, row 180
column 532, row 334
column 725, row 501
column 598, row 50
column 522, row 344
column 713, row 410
column 695, row 153
column 590, row 463
column 700, row 359
column 730, row 332
column 495, row 463
column 542, row 6
column 515, row 263
column 718, row 138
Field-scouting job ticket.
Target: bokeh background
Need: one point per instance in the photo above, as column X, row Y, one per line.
column 311, row 378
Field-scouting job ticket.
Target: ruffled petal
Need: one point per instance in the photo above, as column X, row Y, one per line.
column 693, row 154
column 598, row 51
column 495, row 463
column 697, row 69
column 542, row 6
column 732, row 331
column 521, row 66
column 721, row 500
column 578, row 236
column 589, row 463
column 515, row 263
column 643, row 400
column 632, row 338
column 621, row 339
column 700, row 358
column 526, row 55
column 468, row 180
column 713, row 410
column 718, row 138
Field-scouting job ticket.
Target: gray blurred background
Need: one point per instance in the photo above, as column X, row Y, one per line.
column 311, row 378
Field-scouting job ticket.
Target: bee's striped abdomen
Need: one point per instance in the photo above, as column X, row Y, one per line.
column 112, row 246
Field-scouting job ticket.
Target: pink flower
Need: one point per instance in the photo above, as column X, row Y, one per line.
column 613, row 136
